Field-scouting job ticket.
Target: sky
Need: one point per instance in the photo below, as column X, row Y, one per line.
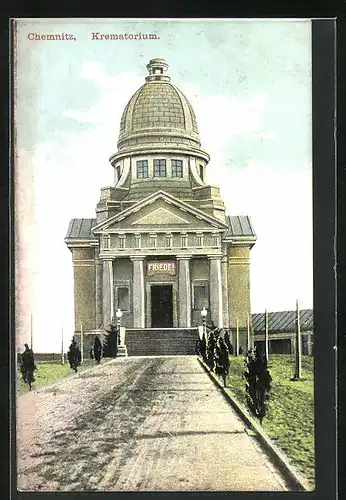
column 249, row 82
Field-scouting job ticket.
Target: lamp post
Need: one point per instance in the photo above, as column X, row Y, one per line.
column 204, row 313
column 118, row 315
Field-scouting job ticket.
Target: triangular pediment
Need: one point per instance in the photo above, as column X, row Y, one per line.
column 159, row 211
column 161, row 216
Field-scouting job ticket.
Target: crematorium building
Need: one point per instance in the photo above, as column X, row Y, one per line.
column 162, row 246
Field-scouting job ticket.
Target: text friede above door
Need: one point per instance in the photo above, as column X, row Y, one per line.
column 161, row 266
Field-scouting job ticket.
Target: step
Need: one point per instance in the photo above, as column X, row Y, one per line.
column 163, row 341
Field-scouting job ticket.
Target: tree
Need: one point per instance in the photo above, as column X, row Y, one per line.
column 258, row 384
column 110, row 348
column 228, row 342
column 210, row 353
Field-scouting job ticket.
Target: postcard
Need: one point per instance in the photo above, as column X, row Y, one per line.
column 164, row 313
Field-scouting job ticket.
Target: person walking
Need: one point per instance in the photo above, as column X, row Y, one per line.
column 27, row 364
column 97, row 349
column 74, row 355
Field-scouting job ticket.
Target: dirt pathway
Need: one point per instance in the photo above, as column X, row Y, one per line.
column 138, row 424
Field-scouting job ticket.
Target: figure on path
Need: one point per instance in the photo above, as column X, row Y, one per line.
column 97, row 349
column 221, row 359
column 27, row 366
column 74, row 355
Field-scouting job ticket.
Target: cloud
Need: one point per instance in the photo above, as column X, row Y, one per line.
column 115, row 93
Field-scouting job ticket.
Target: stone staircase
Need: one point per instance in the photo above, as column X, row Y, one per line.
column 161, row 341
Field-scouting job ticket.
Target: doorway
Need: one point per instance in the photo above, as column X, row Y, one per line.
column 161, row 306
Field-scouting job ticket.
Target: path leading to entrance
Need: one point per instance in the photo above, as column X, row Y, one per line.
column 138, row 424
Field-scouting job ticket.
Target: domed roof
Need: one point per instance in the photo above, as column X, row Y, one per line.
column 158, row 113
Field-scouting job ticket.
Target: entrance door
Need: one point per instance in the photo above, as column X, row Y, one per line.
column 161, row 306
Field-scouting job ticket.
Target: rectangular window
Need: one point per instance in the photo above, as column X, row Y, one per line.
column 142, row 169
column 199, row 240
column 122, row 298
column 215, row 240
column 160, row 168
column 177, row 168
column 138, row 240
column 168, row 241
column 184, row 240
column 200, row 297
column 106, row 241
column 152, row 241
column 122, row 241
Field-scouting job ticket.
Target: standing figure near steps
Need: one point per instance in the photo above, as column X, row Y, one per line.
column 74, row 355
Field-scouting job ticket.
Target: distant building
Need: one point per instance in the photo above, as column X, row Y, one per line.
column 282, row 331
column 162, row 246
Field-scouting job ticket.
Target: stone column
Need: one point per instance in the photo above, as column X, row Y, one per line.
column 108, row 293
column 215, row 290
column 138, row 302
column 184, row 294
column 98, row 292
column 224, row 275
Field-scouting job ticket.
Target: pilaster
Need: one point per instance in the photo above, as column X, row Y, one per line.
column 184, row 284
column 215, row 290
column 224, row 276
column 108, row 293
column 98, row 291
column 239, row 285
column 138, row 292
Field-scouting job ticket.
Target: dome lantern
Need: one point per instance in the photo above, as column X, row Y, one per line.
column 157, row 69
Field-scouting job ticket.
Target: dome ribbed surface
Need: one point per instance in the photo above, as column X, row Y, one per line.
column 158, row 104
column 158, row 115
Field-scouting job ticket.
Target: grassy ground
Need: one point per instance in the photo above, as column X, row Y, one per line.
column 290, row 419
column 48, row 372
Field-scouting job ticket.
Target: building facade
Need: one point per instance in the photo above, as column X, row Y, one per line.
column 162, row 246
